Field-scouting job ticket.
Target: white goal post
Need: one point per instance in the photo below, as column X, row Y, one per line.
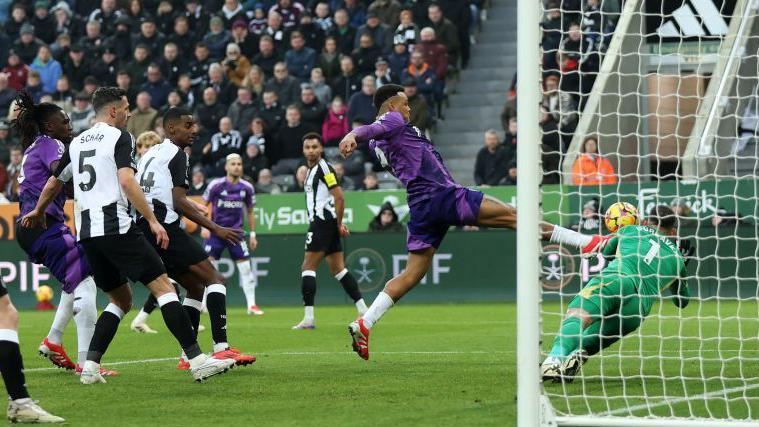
column 674, row 108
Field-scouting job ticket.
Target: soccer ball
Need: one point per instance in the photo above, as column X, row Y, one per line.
column 619, row 215
column 44, row 293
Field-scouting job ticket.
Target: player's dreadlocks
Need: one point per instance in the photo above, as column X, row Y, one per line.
column 31, row 117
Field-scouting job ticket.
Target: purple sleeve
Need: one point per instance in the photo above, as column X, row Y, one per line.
column 385, row 124
column 250, row 197
column 51, row 153
column 209, row 193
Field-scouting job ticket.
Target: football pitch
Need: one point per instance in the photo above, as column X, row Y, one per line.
column 430, row 365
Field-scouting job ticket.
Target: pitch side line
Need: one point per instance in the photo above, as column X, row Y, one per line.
column 666, row 402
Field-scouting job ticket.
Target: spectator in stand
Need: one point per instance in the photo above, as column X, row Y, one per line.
column 321, row 89
column 254, row 82
column 13, row 169
column 106, row 67
column 90, row 85
column 172, row 64
column 184, row 38
column 184, row 88
column 173, row 100
column 312, row 32
column 591, row 221
column 6, row 95
column 34, row 85
column 343, row 33
column 267, row 57
column 257, row 24
column 420, row 110
column 510, row 140
column 386, row 10
column 226, row 141
column 578, row 59
column 290, row 12
column 143, row 117
column 382, row 73
column 561, row 107
column 265, row 184
column 93, row 37
column 348, row 82
column 460, row 14
column 17, row 20
column 138, row 67
column 242, row 111
column 106, row 15
column 230, row 12
column 286, row 154
column 156, row 86
column 386, row 220
column 445, row 32
column 366, row 55
column 43, row 22
column 329, row 59
column 235, row 64
column 63, row 97
column 551, row 147
column 257, row 134
column 311, row 110
column 424, row 76
column 197, row 182
column 407, row 32
column 223, row 87
column 124, row 82
column 253, row 161
column 323, row 17
column 76, row 67
column 82, row 114
column 149, row 36
column 27, row 45
column 370, row 182
column 434, row 53
column 300, row 59
column 361, row 104
column 277, row 33
column 336, row 125
column 144, row 142
column 380, row 33
column 285, row 86
column 552, row 32
column 248, row 44
column 197, row 17
column 121, row 40
column 356, row 12
column 399, row 59
column 200, row 65
column 590, row 168
column 300, row 180
column 271, row 111
column 6, row 142
column 209, row 112
column 217, row 39
column 16, row 72
column 491, row 165
column 345, row 181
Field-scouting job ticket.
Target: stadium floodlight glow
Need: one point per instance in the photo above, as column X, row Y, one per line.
column 674, row 106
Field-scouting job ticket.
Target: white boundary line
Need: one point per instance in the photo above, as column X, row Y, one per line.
column 665, row 402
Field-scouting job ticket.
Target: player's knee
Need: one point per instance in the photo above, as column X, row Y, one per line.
column 8, row 314
column 580, row 314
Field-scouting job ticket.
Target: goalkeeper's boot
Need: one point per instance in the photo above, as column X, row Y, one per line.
column 596, row 245
column 551, row 369
column 360, row 336
column 56, row 353
column 29, row 412
column 572, row 365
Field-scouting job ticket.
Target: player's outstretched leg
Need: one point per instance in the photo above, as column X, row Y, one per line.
column 416, row 267
column 496, row 214
column 21, row 408
column 52, row 346
column 336, row 263
column 248, row 285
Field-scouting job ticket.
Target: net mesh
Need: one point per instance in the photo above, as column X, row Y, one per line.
column 668, row 90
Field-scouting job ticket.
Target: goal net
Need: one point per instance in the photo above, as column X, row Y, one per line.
column 655, row 102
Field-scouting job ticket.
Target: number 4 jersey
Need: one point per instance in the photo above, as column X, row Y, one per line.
column 92, row 161
column 161, row 169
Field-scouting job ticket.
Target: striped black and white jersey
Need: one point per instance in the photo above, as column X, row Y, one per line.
column 92, row 161
column 320, row 204
column 161, row 169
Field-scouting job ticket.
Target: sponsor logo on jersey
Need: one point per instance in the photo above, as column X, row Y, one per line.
column 230, row 204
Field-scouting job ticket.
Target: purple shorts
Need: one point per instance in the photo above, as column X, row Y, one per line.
column 57, row 249
column 215, row 246
column 431, row 218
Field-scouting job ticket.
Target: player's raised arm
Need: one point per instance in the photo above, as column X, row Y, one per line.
column 392, row 104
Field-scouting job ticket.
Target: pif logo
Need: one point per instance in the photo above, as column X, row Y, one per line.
column 368, row 267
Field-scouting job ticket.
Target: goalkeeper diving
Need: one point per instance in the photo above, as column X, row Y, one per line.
column 647, row 262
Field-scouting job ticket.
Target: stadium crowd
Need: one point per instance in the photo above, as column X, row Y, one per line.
column 258, row 75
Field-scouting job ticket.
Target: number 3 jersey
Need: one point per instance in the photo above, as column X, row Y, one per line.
column 161, row 169
column 319, row 201
column 92, row 161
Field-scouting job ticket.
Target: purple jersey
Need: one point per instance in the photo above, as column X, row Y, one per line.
column 229, row 201
column 408, row 155
column 35, row 171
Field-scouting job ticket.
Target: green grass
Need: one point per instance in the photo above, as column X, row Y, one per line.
column 430, row 365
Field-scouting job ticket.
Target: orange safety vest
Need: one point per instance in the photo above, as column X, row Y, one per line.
column 593, row 171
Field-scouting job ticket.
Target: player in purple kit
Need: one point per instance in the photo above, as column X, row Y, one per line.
column 44, row 128
column 230, row 198
column 435, row 200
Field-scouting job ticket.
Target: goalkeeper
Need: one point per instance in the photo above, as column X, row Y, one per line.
column 614, row 303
